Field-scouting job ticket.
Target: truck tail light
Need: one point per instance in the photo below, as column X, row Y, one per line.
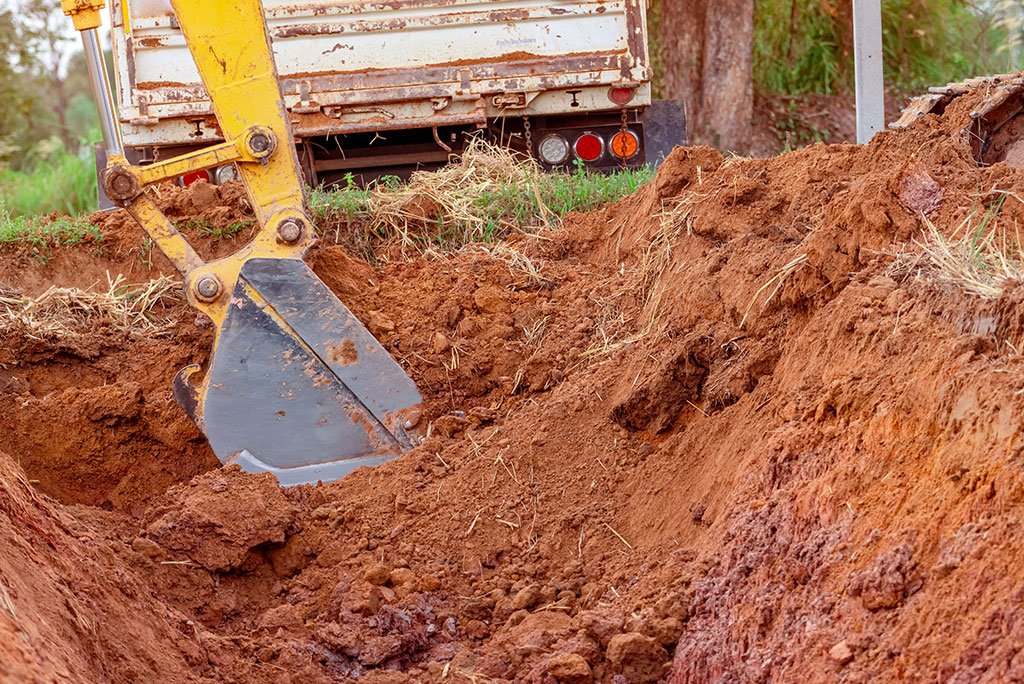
column 190, row 178
column 624, row 144
column 225, row 173
column 553, row 150
column 621, row 95
column 589, row 147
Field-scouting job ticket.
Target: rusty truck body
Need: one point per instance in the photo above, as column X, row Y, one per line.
column 388, row 86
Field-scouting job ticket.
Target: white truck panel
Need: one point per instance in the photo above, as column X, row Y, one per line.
column 362, row 65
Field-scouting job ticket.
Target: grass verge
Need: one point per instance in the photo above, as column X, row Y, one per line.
column 43, row 232
column 483, row 196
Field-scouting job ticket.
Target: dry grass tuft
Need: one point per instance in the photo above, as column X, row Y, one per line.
column 977, row 262
column 526, row 273
column 451, row 197
column 62, row 312
column 976, row 257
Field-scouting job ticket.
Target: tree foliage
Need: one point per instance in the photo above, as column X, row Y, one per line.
column 804, row 46
column 43, row 84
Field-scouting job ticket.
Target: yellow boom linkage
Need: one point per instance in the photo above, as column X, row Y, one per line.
column 282, row 392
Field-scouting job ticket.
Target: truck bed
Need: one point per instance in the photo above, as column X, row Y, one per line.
column 358, row 66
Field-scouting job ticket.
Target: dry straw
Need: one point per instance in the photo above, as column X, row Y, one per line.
column 978, row 262
column 451, row 197
column 61, row 312
column 977, row 256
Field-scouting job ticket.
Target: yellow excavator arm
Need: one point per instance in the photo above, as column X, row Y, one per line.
column 296, row 385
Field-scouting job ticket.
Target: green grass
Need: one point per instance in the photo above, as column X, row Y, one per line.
column 517, row 207
column 44, row 232
column 471, row 211
column 496, row 196
column 53, row 181
column 346, row 202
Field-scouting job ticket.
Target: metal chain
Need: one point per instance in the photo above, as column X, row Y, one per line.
column 529, row 135
column 624, row 130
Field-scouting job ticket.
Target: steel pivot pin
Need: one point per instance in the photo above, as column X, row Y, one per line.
column 208, row 288
column 289, row 231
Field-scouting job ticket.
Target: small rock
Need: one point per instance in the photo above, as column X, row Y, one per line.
column 638, row 658
column 667, row 632
column 147, row 547
column 841, row 653
column 402, row 576
column 380, row 322
column 377, row 574
column 476, row 629
column 920, row 193
column 570, row 668
column 602, row 624
column 364, row 600
column 428, row 583
column 441, row 343
column 527, row 597
column 503, row 610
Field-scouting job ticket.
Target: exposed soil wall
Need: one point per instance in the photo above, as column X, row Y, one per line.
column 733, row 428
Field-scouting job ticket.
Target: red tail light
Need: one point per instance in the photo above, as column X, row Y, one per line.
column 621, row 95
column 589, row 147
column 190, row 178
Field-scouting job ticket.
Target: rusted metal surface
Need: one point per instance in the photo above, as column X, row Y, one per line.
column 422, row 63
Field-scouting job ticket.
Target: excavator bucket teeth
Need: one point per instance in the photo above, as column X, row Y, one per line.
column 296, row 385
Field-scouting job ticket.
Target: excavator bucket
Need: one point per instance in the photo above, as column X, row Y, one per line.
column 297, row 386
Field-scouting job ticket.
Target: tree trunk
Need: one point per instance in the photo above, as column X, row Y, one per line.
column 728, row 83
column 708, row 58
column 682, row 35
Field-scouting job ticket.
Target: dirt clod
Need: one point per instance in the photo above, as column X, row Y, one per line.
column 636, row 657
column 569, row 668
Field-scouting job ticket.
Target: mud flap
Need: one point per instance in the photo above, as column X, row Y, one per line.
column 664, row 129
column 296, row 385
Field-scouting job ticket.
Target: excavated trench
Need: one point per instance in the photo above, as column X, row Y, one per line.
column 732, row 428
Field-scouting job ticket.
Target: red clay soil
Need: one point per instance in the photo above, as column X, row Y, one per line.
column 715, row 432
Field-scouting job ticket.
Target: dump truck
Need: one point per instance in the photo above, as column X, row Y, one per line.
column 377, row 87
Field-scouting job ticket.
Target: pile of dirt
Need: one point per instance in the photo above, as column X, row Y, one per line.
column 731, row 428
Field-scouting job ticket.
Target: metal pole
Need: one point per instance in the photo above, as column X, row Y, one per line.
column 870, row 86
column 100, row 83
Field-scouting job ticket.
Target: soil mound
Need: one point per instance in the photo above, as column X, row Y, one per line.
column 739, row 426
column 70, row 610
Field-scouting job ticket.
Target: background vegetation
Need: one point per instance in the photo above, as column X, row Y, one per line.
column 806, row 46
